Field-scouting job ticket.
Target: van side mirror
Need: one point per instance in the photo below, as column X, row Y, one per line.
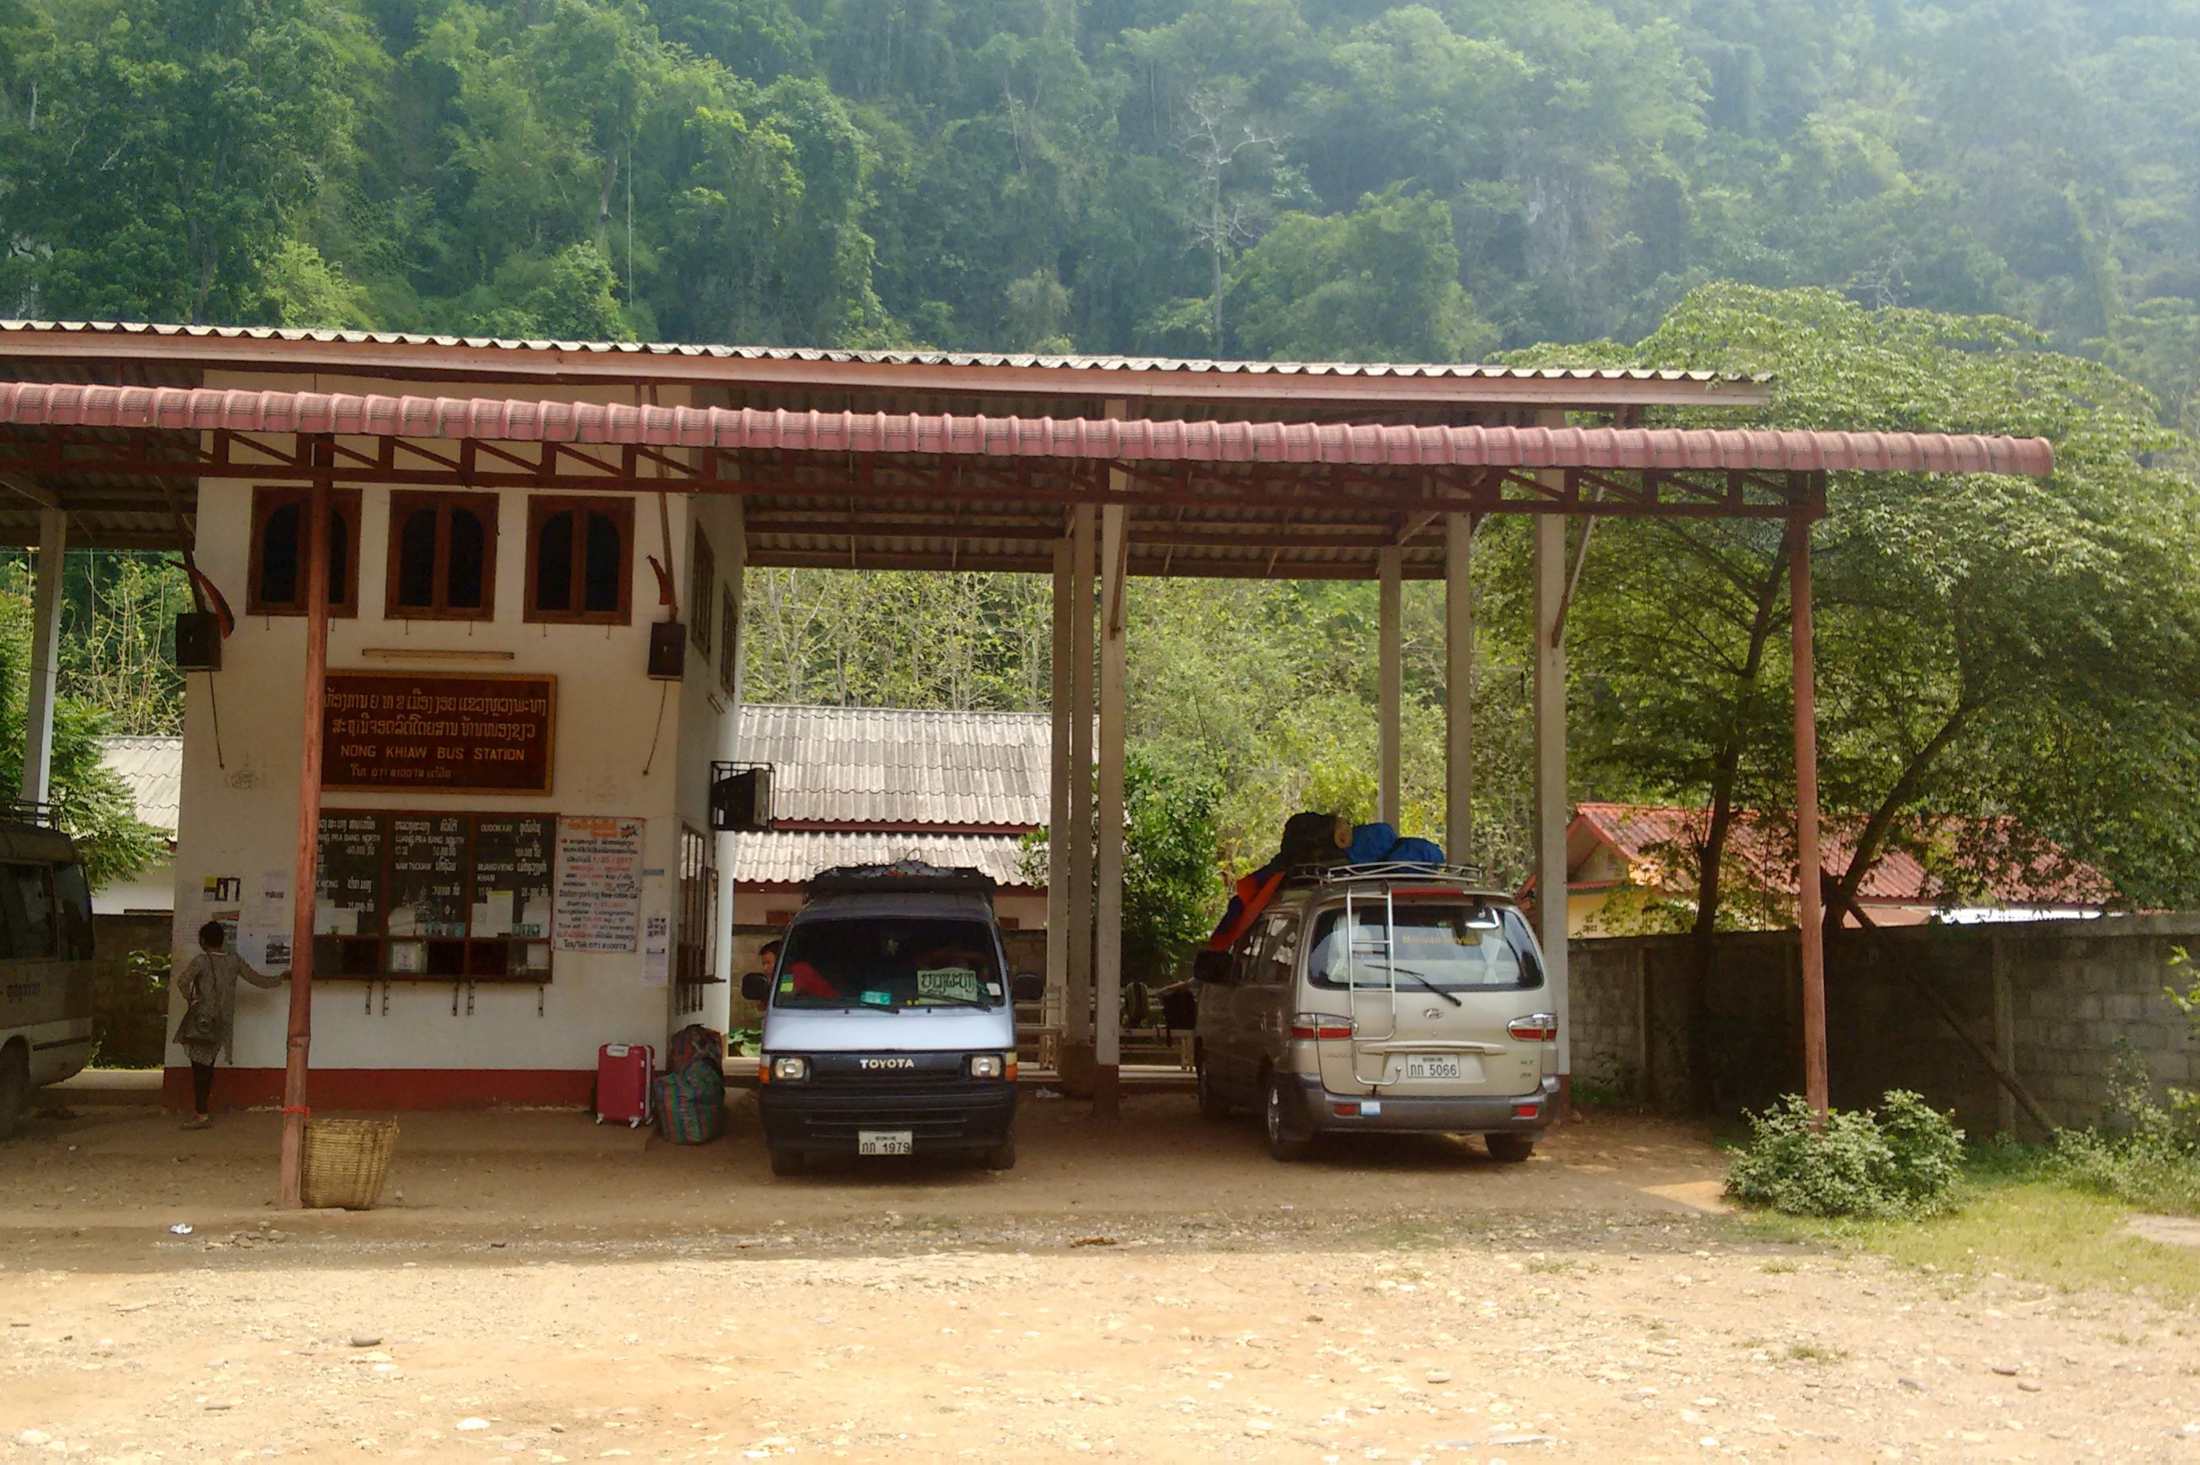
column 755, row 986
column 1028, row 987
column 1214, row 966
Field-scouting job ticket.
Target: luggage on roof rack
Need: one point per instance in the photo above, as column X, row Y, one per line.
column 902, row 876
column 1389, row 870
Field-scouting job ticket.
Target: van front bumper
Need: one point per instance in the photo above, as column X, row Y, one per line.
column 1499, row 1114
column 941, row 1118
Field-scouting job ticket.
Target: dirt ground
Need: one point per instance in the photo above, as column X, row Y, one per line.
column 547, row 1290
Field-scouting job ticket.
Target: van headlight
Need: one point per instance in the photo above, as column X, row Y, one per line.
column 790, row 1070
column 988, row 1065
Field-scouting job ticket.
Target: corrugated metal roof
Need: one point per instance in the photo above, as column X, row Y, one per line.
column 792, row 857
column 152, row 769
column 2033, row 872
column 900, row 766
column 1013, row 360
column 42, row 404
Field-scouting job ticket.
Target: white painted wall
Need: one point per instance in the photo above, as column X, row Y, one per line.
column 239, row 804
column 150, row 889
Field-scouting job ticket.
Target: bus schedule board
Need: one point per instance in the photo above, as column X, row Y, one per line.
column 433, row 732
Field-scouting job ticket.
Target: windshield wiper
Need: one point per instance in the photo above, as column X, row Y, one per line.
column 1406, row 971
column 978, row 1002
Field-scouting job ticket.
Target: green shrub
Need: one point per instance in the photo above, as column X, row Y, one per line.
column 1926, row 1150
column 1853, row 1165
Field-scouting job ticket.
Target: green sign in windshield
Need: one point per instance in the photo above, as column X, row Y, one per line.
column 947, row 984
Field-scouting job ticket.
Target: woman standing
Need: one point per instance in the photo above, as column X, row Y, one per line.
column 208, row 1028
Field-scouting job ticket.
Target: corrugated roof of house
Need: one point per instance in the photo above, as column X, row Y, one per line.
column 2018, row 870
column 794, row 856
column 901, row 767
column 152, row 769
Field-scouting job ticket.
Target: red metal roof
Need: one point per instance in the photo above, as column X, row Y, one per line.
column 1657, row 844
column 39, row 404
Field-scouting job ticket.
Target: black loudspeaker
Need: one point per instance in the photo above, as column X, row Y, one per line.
column 668, row 646
column 198, row 641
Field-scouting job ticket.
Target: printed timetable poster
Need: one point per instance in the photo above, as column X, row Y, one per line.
column 598, row 902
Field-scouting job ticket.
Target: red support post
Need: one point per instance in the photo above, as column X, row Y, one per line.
column 307, row 870
column 1809, row 905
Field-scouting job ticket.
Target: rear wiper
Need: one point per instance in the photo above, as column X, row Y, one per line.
column 1406, row 971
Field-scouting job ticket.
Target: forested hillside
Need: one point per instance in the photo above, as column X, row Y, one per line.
column 1311, row 178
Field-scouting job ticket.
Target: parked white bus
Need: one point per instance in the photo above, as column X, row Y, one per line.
column 45, row 965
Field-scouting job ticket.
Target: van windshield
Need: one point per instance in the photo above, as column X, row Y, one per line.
column 1444, row 946
column 888, row 963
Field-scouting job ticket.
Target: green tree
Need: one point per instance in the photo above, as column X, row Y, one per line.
column 89, row 801
column 1378, row 284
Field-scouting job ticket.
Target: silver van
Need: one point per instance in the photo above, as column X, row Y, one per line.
column 45, row 964
column 1381, row 998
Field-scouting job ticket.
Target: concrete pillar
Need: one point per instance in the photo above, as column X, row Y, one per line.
column 1058, row 826
column 1077, row 1039
column 53, row 545
column 1459, row 688
column 1108, row 935
column 733, row 565
column 1550, row 774
column 1390, row 655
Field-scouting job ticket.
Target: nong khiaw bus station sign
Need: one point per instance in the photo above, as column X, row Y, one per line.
column 438, row 733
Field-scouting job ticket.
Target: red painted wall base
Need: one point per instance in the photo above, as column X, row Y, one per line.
column 391, row 1088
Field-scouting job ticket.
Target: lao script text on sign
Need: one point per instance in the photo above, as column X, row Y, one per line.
column 598, row 902
column 438, row 733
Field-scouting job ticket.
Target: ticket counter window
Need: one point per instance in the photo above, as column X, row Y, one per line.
column 434, row 897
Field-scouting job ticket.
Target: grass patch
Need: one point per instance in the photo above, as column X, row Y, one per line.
column 2016, row 1214
column 1814, row 1353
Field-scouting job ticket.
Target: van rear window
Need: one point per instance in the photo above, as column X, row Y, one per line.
column 1448, row 946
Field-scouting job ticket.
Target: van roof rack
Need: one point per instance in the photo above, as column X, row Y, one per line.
column 30, row 811
column 1390, row 870
column 902, row 876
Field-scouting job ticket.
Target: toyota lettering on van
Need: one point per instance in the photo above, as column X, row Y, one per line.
column 887, row 1062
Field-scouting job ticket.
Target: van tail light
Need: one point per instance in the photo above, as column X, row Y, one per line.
column 1321, row 1025
column 1539, row 1027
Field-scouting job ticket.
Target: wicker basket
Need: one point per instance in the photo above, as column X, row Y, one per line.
column 346, row 1161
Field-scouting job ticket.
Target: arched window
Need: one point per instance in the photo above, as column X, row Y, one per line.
column 580, row 565
column 276, row 584
column 442, row 556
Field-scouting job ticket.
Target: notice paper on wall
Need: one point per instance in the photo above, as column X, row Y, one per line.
column 598, row 900
column 220, row 900
column 263, row 921
column 657, row 949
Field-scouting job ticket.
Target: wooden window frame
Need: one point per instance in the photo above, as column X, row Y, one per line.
column 702, row 589
column 621, row 512
column 403, row 504
column 729, row 631
column 343, row 503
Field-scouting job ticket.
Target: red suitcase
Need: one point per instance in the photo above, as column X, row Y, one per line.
column 624, row 1085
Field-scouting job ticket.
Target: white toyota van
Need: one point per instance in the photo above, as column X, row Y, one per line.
column 889, row 1021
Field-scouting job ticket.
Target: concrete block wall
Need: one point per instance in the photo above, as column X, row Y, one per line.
column 2071, row 994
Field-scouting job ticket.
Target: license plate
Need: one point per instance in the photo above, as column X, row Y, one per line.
column 883, row 1142
column 1436, row 1067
